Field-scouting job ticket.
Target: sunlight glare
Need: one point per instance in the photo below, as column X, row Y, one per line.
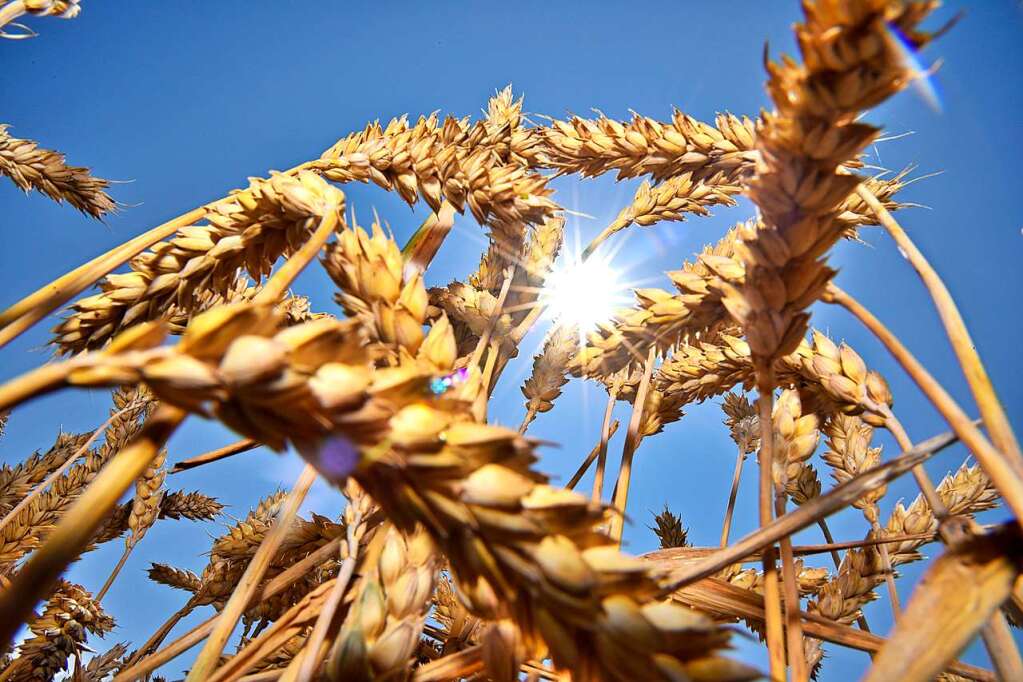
column 583, row 293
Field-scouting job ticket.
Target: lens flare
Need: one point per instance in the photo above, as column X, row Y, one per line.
column 924, row 81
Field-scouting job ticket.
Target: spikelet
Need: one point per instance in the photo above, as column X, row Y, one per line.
column 59, row 633
column 473, row 506
column 390, row 603
column 446, row 160
column 368, row 270
column 742, row 422
column 849, row 454
column 850, row 64
column 673, row 199
column 18, row 481
column 795, row 438
column 643, row 146
column 663, row 318
column 32, row 167
column 550, row 367
column 194, row 506
column 101, row 666
column 145, row 506
column 174, row 577
column 33, row 523
column 251, row 230
column 296, row 309
column 669, row 529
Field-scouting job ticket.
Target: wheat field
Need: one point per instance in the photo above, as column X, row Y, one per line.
column 439, row 523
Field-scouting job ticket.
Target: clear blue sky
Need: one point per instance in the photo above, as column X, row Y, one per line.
column 187, row 99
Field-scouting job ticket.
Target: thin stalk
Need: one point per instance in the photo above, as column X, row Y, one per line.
column 76, row 528
column 632, row 438
column 206, row 662
column 114, row 573
column 585, row 466
column 1003, row 653
column 726, row 527
column 484, row 340
column 326, row 617
column 38, row 490
column 278, row 284
column 793, row 623
column 235, row 448
column 157, row 637
column 140, row 668
column 772, row 592
column 831, row 541
column 889, row 572
column 1001, row 647
column 839, row 497
column 990, row 407
column 997, row 467
column 34, row 307
column 605, row 435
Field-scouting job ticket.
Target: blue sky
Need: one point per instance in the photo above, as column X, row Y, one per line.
column 183, row 101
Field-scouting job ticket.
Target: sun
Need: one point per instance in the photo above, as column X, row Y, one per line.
column 583, row 293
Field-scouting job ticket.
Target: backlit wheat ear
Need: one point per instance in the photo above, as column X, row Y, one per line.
column 31, row 167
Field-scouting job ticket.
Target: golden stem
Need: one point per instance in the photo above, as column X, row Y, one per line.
column 150, row 663
column 793, row 622
column 998, row 468
column 76, row 528
column 632, row 438
column 605, row 435
column 772, row 592
column 45, row 300
column 235, row 448
column 278, row 284
column 206, row 662
column 726, row 527
column 326, row 617
column 113, row 574
column 976, row 376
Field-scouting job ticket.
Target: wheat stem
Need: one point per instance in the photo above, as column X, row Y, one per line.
column 998, row 468
column 1004, row 654
column 202, row 630
column 606, row 431
column 726, row 527
column 793, row 622
column 772, row 592
column 973, row 369
column 632, row 438
column 34, row 307
column 326, row 617
column 208, row 657
column 282, row 279
column 75, row 530
column 113, row 574
column 235, row 448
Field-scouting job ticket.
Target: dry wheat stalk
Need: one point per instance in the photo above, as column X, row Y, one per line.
column 32, row 167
